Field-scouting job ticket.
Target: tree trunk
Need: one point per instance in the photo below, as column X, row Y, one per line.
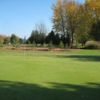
column 72, row 40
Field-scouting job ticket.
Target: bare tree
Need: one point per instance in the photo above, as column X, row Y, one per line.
column 41, row 28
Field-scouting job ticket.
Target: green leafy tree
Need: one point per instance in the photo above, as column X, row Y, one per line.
column 56, row 40
column 50, row 37
column 95, row 31
column 36, row 37
column 14, row 39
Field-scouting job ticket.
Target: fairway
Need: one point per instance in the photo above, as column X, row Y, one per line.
column 50, row 75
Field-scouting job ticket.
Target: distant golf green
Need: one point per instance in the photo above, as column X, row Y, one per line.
column 38, row 75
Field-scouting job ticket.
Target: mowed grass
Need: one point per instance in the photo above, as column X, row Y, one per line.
column 70, row 75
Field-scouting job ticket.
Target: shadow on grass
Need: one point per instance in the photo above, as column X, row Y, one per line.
column 82, row 57
column 23, row 91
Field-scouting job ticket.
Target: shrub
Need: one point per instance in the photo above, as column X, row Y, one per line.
column 1, row 45
column 92, row 45
column 50, row 45
column 61, row 45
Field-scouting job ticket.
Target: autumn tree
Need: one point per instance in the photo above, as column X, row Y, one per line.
column 65, row 18
column 72, row 19
column 59, row 17
column 7, row 40
column 85, row 22
column 94, row 7
column 77, row 20
column 2, row 38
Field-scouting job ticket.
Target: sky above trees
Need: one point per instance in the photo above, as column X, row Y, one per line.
column 21, row 16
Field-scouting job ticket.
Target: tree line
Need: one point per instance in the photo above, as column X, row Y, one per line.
column 73, row 23
column 13, row 39
column 40, row 37
column 37, row 39
column 80, row 22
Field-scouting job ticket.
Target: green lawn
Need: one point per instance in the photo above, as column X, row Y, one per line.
column 70, row 75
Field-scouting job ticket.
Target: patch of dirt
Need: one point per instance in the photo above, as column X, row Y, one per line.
column 10, row 48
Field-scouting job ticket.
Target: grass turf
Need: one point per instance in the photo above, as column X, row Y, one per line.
column 70, row 75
